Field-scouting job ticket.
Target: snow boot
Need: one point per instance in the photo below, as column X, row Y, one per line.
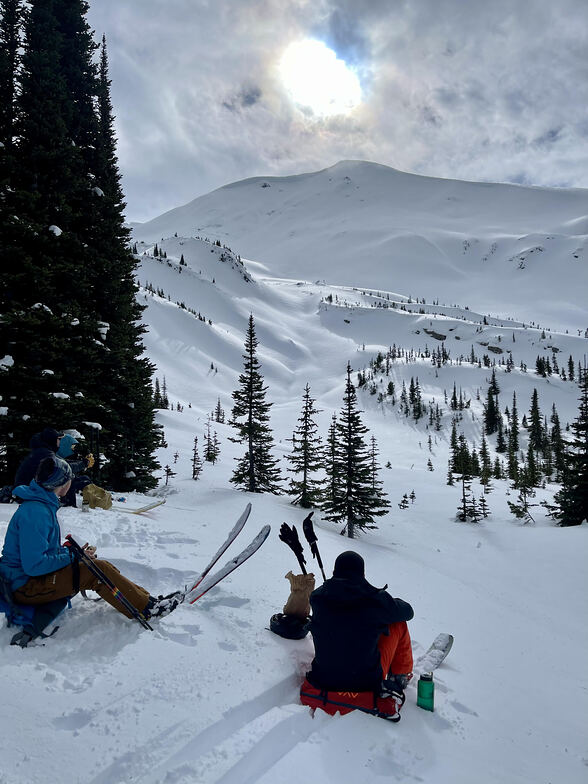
column 158, row 606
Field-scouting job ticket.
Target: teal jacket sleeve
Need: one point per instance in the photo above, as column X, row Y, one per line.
column 40, row 548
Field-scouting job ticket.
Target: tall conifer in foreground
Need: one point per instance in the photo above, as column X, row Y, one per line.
column 257, row 471
column 355, row 503
column 306, row 456
column 71, row 322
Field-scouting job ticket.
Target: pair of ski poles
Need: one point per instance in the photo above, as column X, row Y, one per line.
column 289, row 535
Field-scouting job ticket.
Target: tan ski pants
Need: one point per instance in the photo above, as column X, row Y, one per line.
column 60, row 585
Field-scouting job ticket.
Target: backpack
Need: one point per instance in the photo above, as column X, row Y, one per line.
column 96, row 497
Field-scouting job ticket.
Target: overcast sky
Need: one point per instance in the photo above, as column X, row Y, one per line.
column 472, row 89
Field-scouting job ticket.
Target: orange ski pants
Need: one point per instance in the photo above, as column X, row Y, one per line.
column 396, row 650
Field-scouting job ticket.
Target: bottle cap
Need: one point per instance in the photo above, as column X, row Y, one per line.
column 427, row 676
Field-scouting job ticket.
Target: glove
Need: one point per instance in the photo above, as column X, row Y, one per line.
column 90, row 459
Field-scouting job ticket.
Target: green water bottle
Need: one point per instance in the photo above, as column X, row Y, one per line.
column 426, row 691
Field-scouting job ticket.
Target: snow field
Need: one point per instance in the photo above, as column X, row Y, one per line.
column 211, row 696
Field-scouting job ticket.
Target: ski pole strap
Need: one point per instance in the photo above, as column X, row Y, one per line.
column 97, row 572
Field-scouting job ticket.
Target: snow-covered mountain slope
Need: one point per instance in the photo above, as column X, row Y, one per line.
column 502, row 249
column 309, row 331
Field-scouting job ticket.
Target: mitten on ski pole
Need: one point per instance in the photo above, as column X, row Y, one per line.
column 290, row 537
column 301, row 586
column 311, row 538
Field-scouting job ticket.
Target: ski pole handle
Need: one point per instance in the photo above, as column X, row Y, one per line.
column 312, row 540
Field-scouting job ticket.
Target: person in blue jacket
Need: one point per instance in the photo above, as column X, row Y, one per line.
column 78, row 465
column 41, row 570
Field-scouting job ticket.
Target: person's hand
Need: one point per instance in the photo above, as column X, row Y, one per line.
column 90, row 459
column 90, row 550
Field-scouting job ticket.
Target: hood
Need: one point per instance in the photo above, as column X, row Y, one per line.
column 66, row 446
column 34, row 492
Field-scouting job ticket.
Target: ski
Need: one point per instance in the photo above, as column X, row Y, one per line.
column 204, row 585
column 237, row 528
column 138, row 509
column 436, row 654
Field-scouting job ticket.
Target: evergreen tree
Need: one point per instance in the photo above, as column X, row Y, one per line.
column 491, row 413
column 467, row 509
column 520, row 508
column 211, row 445
column 513, row 441
column 219, row 414
column 168, row 473
column 486, row 466
column 536, row 431
column 572, row 499
column 10, row 41
column 306, row 457
column 70, row 317
column 484, row 508
column 355, row 504
column 257, row 471
column 501, row 445
column 196, row 460
column 331, row 465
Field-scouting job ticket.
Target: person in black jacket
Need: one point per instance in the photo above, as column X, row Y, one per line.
column 42, row 445
column 359, row 631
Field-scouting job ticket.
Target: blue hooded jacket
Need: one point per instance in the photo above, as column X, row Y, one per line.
column 32, row 546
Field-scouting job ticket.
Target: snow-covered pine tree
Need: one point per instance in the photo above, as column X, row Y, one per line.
column 72, row 294
column 376, row 484
column 331, row 465
column 354, row 505
column 257, row 471
column 196, row 460
column 306, row 458
column 219, row 414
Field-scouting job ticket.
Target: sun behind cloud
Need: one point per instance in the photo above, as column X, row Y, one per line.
column 317, row 80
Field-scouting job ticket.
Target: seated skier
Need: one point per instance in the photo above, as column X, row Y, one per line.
column 78, row 465
column 361, row 639
column 41, row 571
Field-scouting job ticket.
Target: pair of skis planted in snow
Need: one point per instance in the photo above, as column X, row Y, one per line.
column 205, row 581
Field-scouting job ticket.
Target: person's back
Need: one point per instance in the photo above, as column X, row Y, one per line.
column 349, row 617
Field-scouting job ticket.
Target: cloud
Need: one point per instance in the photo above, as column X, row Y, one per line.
column 497, row 93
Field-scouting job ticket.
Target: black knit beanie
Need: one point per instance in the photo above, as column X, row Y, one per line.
column 349, row 566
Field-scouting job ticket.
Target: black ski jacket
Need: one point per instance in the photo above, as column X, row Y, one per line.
column 348, row 617
column 27, row 470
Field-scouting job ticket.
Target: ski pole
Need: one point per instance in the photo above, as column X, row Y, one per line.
column 97, row 572
column 311, row 538
column 290, row 537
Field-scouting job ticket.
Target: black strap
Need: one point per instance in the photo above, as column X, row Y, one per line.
column 325, row 699
column 75, row 575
